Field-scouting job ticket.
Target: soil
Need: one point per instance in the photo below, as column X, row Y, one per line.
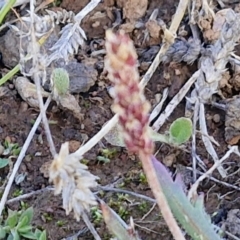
column 16, row 120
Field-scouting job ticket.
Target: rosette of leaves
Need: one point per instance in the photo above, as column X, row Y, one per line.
column 18, row 226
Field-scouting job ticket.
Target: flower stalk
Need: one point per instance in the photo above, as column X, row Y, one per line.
column 133, row 110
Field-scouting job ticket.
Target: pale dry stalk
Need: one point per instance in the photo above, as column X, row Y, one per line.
column 133, row 108
column 192, row 192
column 212, row 65
column 177, row 18
column 20, row 158
column 37, row 71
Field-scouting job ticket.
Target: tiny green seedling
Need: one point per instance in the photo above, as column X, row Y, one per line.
column 59, row 82
column 18, row 226
column 106, row 155
column 96, row 214
column 180, row 132
column 4, row 162
column 11, row 148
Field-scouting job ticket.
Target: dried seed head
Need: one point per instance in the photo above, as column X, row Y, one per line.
column 74, row 181
column 59, row 82
column 129, row 101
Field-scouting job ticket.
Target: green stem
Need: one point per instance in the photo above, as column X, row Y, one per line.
column 5, row 9
column 9, row 74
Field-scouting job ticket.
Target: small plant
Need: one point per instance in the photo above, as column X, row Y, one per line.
column 18, row 225
column 59, row 82
column 17, row 192
column 106, row 155
column 179, row 133
column 142, row 178
column 96, row 214
column 117, row 226
column 132, row 107
column 4, row 162
column 11, row 148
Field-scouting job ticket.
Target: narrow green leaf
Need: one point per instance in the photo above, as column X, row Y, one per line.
column 27, row 213
column 4, row 162
column 43, row 236
column 38, row 233
column 5, row 9
column 180, row 130
column 115, row 224
column 23, row 222
column 12, row 220
column 2, row 233
column 29, row 235
column 10, row 237
column 193, row 219
column 24, row 229
column 15, row 235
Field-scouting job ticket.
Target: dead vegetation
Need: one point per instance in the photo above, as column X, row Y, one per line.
column 188, row 66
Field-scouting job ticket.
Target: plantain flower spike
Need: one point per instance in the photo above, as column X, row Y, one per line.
column 129, row 101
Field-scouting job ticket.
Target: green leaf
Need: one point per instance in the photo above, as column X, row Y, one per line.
column 4, row 162
column 7, row 229
column 193, row 218
column 38, row 233
column 60, row 81
column 180, row 130
column 116, row 225
column 2, row 233
column 29, row 235
column 22, row 223
column 24, row 229
column 15, row 235
column 27, row 213
column 12, row 219
column 10, row 237
column 43, row 236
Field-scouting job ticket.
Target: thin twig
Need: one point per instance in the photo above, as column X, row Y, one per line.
column 216, row 180
column 193, row 190
column 90, row 226
column 207, row 143
column 36, row 77
column 118, row 190
column 194, row 152
column 227, row 233
column 86, row 10
column 145, row 215
column 20, row 158
column 173, row 28
column 96, row 138
column 28, row 195
column 175, row 101
column 159, row 106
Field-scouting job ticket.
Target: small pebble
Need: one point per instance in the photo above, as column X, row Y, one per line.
column 96, row 24
column 23, row 107
column 216, row 118
column 11, row 86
